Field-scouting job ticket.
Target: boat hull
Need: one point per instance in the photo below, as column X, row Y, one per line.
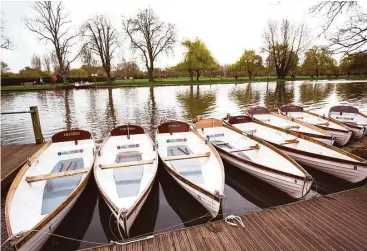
column 351, row 172
column 341, row 137
column 293, row 186
column 127, row 222
column 37, row 240
column 358, row 131
column 211, row 204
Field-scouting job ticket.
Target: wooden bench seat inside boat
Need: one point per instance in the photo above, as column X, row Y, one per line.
column 185, row 157
column 52, row 176
column 63, row 179
column 190, row 166
column 226, row 146
column 255, row 147
column 127, row 164
column 128, row 179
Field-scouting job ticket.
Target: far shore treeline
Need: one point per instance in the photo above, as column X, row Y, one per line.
column 287, row 49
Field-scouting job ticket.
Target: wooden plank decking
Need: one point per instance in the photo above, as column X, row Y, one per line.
column 333, row 222
column 12, row 158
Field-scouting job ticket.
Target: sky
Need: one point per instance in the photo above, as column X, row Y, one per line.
column 227, row 27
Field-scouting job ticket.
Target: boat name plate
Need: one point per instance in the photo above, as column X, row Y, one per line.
column 176, row 140
column 215, row 135
column 127, row 146
column 70, row 152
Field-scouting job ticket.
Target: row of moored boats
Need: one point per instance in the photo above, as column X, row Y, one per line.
column 271, row 146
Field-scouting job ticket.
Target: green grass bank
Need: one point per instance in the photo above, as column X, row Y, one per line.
column 169, row 82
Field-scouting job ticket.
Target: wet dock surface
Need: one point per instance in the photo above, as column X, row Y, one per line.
column 333, row 222
column 12, row 159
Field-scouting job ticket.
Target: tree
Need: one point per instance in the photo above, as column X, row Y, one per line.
column 5, row 42
column 150, row 37
column 36, row 62
column 354, row 64
column 349, row 38
column 127, row 69
column 284, row 43
column 249, row 61
column 4, row 68
column 101, row 40
column 78, row 73
column 47, row 62
column 318, row 60
column 52, row 24
column 197, row 58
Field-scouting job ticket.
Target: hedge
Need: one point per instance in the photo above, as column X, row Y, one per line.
column 6, row 81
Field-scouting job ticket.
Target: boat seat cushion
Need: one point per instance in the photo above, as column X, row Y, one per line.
column 189, row 168
column 57, row 190
column 226, row 146
column 128, row 179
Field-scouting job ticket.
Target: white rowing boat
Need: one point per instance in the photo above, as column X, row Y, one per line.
column 248, row 154
column 351, row 117
column 341, row 132
column 125, row 169
column 47, row 187
column 305, row 150
column 192, row 162
column 283, row 122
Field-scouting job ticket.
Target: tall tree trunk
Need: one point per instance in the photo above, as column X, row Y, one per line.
column 191, row 73
column 108, row 77
column 197, row 75
column 250, row 74
column 64, row 78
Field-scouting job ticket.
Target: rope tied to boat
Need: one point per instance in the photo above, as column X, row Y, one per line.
column 234, row 218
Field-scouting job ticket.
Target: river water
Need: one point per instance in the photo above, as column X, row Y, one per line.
column 168, row 206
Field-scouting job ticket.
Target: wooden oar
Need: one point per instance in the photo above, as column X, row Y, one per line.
column 289, row 141
column 67, row 168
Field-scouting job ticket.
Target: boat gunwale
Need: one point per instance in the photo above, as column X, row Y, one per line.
column 359, row 160
column 26, row 235
column 216, row 197
column 322, row 117
column 271, row 147
column 143, row 194
column 308, row 125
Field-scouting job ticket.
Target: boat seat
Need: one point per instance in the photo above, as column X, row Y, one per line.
column 226, row 146
column 128, row 179
column 57, row 190
column 190, row 168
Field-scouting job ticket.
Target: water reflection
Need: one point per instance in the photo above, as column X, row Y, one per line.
column 278, row 94
column 245, row 97
column 352, row 92
column 314, row 92
column 73, row 225
column 196, row 103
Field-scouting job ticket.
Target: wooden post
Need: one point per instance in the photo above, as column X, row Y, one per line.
column 36, row 125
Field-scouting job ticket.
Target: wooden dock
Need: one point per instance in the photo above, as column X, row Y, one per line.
column 13, row 158
column 333, row 222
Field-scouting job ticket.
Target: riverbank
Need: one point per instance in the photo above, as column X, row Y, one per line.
column 169, row 82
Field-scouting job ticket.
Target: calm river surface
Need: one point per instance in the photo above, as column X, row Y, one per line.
column 168, row 205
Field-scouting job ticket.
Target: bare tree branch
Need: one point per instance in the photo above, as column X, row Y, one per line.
column 51, row 24
column 350, row 38
column 5, row 42
column 101, row 39
column 149, row 36
column 284, row 44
